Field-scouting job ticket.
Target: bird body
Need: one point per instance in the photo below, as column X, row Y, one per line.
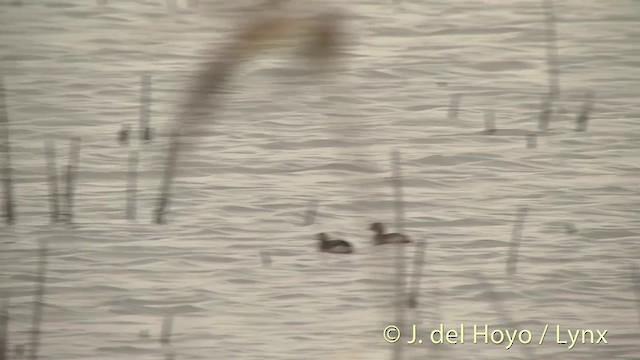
column 333, row 246
column 380, row 238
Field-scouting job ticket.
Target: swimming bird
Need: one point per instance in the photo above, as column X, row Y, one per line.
column 333, row 246
column 380, row 238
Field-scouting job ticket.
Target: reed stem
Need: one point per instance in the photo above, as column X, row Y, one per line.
column 72, row 168
column 50, row 155
column 9, row 206
column 400, row 268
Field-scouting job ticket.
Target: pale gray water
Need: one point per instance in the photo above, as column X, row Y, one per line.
column 72, row 68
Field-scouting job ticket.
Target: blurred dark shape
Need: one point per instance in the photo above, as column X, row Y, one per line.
column 546, row 111
column 570, row 228
column 512, row 259
column 145, row 108
column 412, row 301
column 310, row 214
column 165, row 337
column 123, row 135
column 583, row 118
column 442, row 83
column 325, row 41
column 380, row 238
column 454, row 105
column 265, row 258
column 148, row 134
column 532, row 141
column 165, row 333
column 263, row 33
column 333, row 246
column 489, row 122
column 19, row 351
column 144, row 334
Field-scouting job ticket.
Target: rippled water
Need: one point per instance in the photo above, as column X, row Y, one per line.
column 284, row 138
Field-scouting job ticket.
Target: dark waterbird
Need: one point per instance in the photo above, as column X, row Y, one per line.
column 380, row 238
column 333, row 246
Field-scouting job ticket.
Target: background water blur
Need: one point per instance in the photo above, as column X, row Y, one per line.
column 285, row 137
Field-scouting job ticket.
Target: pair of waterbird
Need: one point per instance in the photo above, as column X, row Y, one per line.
column 345, row 247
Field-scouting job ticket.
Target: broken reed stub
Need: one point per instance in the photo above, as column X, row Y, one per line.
column 454, row 106
column 165, row 332
column 516, row 236
column 489, row 122
column 132, row 185
column 145, row 108
column 311, row 213
column 123, row 135
column 546, row 111
column 532, row 141
column 582, row 121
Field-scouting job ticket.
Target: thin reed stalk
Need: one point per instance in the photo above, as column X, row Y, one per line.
column 50, row 155
column 9, row 206
column 546, row 111
column 582, row 122
column 39, row 301
column 71, row 175
column 4, row 330
column 132, row 185
column 400, row 268
column 416, row 277
column 552, row 50
column 552, row 67
column 635, row 284
column 454, row 105
column 516, row 235
column 145, row 108
column 165, row 337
